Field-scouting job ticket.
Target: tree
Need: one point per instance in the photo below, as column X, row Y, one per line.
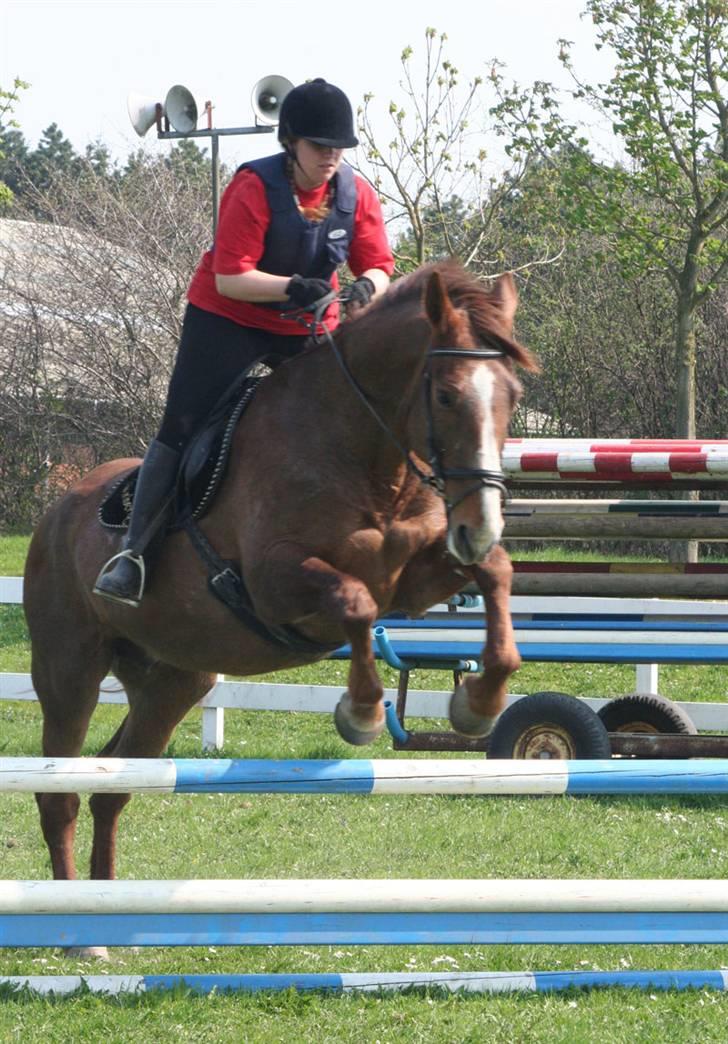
column 13, row 158
column 425, row 162
column 665, row 208
column 434, row 174
column 55, row 155
column 190, row 163
column 8, row 100
column 97, row 157
column 91, row 304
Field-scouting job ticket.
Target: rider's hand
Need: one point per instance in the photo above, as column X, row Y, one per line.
column 307, row 292
column 360, row 292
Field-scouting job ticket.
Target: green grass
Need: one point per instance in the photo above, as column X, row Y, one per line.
column 13, row 550
column 360, row 836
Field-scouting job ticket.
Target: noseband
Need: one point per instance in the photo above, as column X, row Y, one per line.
column 439, row 474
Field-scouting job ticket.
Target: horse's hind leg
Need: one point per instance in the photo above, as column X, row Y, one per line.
column 159, row 697
column 67, row 683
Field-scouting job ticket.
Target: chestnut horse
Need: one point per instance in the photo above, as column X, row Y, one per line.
column 364, row 478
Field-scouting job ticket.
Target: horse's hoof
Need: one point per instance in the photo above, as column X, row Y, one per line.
column 464, row 720
column 346, row 725
column 82, row 953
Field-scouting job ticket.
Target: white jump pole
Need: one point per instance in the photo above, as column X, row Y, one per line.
column 398, row 896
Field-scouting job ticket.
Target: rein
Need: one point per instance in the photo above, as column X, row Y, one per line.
column 439, row 474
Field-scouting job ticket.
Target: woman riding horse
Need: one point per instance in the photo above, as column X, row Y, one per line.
column 287, row 222
column 375, row 488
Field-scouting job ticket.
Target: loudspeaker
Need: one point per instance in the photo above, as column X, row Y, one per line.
column 142, row 112
column 181, row 109
column 268, row 95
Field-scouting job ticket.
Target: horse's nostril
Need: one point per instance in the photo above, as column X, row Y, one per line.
column 463, row 538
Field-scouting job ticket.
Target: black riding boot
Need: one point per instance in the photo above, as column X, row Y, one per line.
column 123, row 577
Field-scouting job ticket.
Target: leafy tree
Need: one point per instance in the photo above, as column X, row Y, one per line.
column 8, row 99
column 665, row 208
column 98, row 158
column 434, row 174
column 421, row 168
column 55, row 155
column 13, row 158
column 189, row 162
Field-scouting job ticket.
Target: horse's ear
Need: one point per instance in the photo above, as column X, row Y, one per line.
column 505, row 296
column 437, row 302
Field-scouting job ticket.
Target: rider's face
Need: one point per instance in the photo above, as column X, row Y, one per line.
column 315, row 163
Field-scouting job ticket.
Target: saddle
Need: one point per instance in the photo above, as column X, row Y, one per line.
column 201, row 472
column 202, row 467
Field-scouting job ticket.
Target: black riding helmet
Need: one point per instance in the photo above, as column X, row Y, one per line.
column 319, row 112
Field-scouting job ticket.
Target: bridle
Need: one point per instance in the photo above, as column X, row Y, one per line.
column 439, row 474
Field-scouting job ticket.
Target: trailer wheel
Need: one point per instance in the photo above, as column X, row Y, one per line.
column 646, row 712
column 549, row 725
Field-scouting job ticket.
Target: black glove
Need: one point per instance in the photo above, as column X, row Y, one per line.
column 307, row 292
column 360, row 292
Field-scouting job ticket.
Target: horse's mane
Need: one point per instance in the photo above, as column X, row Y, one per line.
column 466, row 292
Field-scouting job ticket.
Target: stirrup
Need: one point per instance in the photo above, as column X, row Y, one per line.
column 138, row 561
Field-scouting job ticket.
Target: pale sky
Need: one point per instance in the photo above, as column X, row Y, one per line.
column 82, row 57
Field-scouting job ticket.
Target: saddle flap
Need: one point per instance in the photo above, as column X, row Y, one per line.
column 202, row 468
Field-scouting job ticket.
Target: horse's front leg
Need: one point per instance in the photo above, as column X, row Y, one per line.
column 476, row 704
column 311, row 590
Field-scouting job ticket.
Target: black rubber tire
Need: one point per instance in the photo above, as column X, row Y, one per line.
column 646, row 712
column 549, row 725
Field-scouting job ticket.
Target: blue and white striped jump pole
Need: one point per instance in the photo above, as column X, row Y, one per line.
column 362, row 776
column 361, row 912
column 373, row 982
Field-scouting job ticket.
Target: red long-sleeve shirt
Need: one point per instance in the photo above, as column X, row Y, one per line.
column 240, row 242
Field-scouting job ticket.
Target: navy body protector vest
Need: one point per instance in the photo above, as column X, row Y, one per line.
column 293, row 245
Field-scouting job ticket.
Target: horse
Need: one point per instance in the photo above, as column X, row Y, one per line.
column 364, row 478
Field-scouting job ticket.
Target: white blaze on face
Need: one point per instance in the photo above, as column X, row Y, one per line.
column 488, row 459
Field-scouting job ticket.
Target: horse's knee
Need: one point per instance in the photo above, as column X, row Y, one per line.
column 354, row 604
column 496, row 572
column 58, row 814
column 501, row 663
column 105, row 807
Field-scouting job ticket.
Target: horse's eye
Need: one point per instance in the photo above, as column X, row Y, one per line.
column 443, row 398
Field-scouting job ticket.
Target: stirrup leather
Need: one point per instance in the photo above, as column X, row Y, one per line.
column 138, row 561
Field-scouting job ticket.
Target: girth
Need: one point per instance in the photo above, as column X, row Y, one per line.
column 226, row 583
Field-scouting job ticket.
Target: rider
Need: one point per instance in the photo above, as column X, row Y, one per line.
column 286, row 223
